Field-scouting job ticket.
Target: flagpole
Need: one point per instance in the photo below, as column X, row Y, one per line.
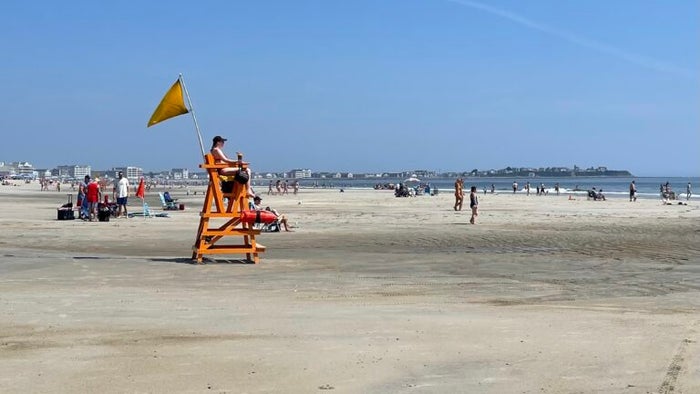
column 196, row 125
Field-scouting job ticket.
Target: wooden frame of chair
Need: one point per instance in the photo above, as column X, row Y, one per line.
column 214, row 207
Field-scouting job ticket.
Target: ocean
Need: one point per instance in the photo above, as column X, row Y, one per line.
column 647, row 187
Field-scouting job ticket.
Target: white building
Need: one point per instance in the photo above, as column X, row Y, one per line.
column 180, row 173
column 132, row 173
column 300, row 173
column 74, row 171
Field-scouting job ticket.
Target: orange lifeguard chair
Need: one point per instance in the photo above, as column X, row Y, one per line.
column 214, row 208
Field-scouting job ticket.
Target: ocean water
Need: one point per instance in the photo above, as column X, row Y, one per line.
column 647, row 187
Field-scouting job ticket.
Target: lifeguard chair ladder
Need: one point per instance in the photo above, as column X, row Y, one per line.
column 215, row 208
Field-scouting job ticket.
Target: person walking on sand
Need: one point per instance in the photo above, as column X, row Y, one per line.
column 473, row 204
column 633, row 192
column 515, row 187
column 459, row 194
column 688, row 192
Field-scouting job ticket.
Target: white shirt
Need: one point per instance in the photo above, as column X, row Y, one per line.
column 123, row 188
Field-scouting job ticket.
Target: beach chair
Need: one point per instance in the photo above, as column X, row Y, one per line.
column 167, row 205
column 274, row 227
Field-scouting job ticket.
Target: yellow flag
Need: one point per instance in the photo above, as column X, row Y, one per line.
column 171, row 106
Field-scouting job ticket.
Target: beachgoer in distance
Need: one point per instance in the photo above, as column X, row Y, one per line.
column 269, row 187
column 82, row 200
column 220, row 158
column 527, row 188
column 633, row 192
column 281, row 218
column 688, row 191
column 473, row 204
column 121, row 193
column 93, row 196
column 459, row 194
column 515, row 187
column 556, row 188
column 493, row 188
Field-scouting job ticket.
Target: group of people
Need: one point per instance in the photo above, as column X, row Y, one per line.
column 90, row 194
column 473, row 199
column 282, row 187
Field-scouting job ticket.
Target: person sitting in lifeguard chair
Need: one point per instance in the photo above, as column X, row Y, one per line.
column 238, row 173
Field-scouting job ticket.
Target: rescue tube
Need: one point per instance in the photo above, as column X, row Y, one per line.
column 257, row 217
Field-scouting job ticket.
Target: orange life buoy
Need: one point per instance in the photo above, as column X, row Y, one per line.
column 257, row 217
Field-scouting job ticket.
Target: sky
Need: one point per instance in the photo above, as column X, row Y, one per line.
column 359, row 86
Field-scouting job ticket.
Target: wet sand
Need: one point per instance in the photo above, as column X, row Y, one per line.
column 370, row 293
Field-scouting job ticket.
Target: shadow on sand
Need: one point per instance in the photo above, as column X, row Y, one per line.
column 184, row 260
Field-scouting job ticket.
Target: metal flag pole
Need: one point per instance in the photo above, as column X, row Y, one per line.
column 196, row 125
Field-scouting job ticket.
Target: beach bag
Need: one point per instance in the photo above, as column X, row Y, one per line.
column 241, row 177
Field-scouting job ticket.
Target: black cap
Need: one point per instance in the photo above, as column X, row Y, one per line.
column 257, row 198
column 219, row 138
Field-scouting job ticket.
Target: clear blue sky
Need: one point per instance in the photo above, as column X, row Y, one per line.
column 356, row 85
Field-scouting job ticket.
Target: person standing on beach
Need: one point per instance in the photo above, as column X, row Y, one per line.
column 556, row 188
column 688, row 192
column 473, row 204
column 459, row 194
column 633, row 192
column 527, row 188
column 121, row 191
column 82, row 198
column 93, row 195
column 515, row 187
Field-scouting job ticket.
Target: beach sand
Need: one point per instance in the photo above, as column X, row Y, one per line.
column 369, row 294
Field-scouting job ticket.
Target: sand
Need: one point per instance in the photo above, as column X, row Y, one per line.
column 369, row 294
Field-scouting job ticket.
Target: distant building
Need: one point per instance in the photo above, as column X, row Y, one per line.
column 73, row 171
column 180, row 173
column 23, row 167
column 132, row 173
column 300, row 173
